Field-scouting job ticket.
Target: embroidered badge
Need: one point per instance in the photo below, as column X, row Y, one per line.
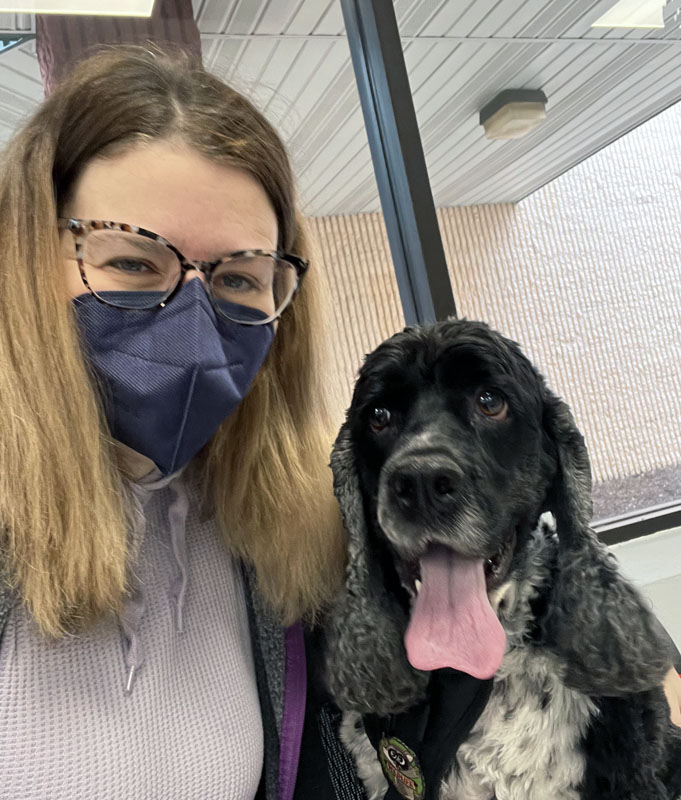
column 401, row 768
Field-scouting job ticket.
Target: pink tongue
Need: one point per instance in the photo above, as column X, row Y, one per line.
column 452, row 623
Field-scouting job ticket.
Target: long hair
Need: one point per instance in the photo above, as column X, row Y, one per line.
column 63, row 527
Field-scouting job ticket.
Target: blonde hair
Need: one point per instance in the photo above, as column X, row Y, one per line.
column 63, row 520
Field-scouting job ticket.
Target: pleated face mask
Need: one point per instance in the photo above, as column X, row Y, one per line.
column 170, row 376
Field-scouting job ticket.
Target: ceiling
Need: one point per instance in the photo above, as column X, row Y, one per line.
column 292, row 58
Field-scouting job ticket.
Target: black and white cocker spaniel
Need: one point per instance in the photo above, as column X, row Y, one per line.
column 465, row 489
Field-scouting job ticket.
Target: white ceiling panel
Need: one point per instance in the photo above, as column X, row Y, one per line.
column 20, row 88
column 308, row 17
column 596, row 102
column 245, row 16
column 16, row 22
column 213, row 16
column 291, row 57
column 412, row 15
column 277, row 17
column 331, row 24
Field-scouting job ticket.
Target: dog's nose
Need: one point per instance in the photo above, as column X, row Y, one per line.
column 423, row 487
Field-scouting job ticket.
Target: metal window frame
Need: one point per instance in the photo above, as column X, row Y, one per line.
column 399, row 163
column 635, row 524
column 8, row 41
column 408, row 206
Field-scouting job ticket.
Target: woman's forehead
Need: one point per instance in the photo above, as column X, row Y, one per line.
column 205, row 209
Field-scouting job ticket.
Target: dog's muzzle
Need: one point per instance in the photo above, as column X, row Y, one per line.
column 446, row 561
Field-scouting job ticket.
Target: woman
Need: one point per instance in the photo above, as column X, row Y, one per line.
column 163, row 396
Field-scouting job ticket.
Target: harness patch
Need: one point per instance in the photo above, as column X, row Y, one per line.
column 401, row 768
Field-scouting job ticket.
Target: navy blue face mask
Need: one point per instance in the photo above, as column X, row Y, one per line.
column 170, row 376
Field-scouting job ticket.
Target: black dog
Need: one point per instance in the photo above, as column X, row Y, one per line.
column 465, row 488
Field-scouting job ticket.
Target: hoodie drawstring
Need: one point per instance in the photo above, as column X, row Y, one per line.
column 134, row 607
column 177, row 518
column 130, row 619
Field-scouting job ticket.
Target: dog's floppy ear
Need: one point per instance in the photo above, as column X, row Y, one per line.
column 596, row 621
column 366, row 667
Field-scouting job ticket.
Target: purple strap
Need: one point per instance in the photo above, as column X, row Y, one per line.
column 295, row 690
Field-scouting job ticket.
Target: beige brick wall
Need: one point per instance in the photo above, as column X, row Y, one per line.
column 585, row 273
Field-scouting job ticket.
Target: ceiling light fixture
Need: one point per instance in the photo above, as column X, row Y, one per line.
column 633, row 14
column 513, row 113
column 100, row 8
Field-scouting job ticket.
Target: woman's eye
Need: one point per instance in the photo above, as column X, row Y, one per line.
column 492, row 404
column 236, row 283
column 379, row 419
column 130, row 265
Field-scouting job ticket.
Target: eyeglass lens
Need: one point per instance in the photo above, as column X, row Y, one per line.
column 129, row 270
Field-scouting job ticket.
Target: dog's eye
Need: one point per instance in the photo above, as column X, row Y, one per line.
column 379, row 419
column 492, row 404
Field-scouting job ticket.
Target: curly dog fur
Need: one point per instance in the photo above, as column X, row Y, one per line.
column 576, row 710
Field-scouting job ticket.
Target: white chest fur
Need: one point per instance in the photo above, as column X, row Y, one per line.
column 524, row 746
column 526, row 743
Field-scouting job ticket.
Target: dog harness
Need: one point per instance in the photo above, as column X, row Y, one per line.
column 417, row 748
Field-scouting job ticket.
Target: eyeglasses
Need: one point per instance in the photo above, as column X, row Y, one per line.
column 130, row 267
